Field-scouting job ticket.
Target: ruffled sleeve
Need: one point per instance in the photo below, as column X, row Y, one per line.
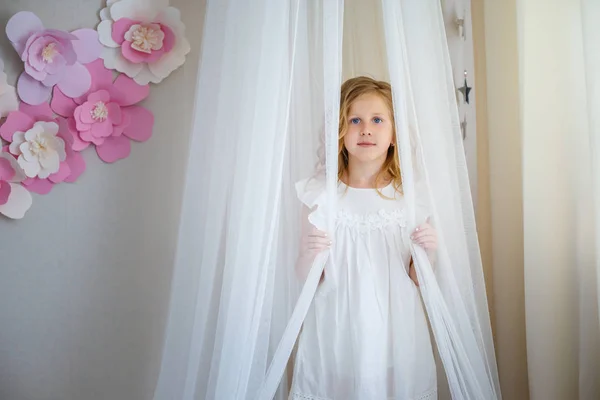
column 312, row 193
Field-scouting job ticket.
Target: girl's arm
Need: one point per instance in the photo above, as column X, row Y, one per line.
column 312, row 242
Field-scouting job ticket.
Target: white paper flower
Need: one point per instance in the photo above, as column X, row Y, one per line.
column 8, row 94
column 39, row 151
column 144, row 39
column 15, row 200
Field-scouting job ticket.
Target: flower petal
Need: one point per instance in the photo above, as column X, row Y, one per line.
column 25, row 152
column 5, row 190
column 113, row 59
column 100, row 95
column 17, row 121
column 18, row 203
column 142, row 10
column 114, row 149
column 83, row 116
column 50, row 161
column 137, row 57
column 63, row 173
column 114, row 113
column 140, row 125
column 146, row 76
column 76, row 164
column 77, row 144
column 40, row 112
column 8, row 101
column 34, row 73
column 61, row 104
column 31, row 91
column 57, row 65
column 171, row 60
column 102, row 129
column 119, row 28
column 62, row 37
column 20, row 27
column 127, row 92
column 7, row 171
column 15, row 147
column 52, row 79
column 88, row 47
column 64, row 132
column 170, row 39
column 34, row 52
column 77, row 81
column 86, row 135
column 102, row 77
column 105, row 34
column 125, row 120
column 65, row 42
column 31, row 168
column 39, row 186
column 19, row 175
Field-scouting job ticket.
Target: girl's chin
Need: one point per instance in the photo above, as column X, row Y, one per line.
column 367, row 157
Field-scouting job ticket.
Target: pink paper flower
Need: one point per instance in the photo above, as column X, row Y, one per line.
column 43, row 147
column 15, row 200
column 144, row 40
column 106, row 116
column 51, row 57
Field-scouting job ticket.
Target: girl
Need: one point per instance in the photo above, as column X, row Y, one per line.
column 366, row 337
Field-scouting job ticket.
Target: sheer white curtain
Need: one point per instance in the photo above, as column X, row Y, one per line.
column 267, row 97
column 560, row 106
column 259, row 110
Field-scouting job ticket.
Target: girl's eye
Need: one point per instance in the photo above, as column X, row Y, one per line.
column 355, row 121
column 377, row 120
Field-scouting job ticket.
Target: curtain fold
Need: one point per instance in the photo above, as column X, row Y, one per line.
column 559, row 107
column 589, row 296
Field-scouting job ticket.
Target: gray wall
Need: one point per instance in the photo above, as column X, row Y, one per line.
column 85, row 276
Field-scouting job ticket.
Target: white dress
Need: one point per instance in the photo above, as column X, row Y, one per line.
column 367, row 337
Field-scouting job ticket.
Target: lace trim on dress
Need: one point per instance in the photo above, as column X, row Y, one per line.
column 371, row 221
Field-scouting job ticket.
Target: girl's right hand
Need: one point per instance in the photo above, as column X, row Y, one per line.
column 314, row 241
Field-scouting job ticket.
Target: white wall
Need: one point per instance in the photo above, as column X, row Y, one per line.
column 85, row 277
column 462, row 58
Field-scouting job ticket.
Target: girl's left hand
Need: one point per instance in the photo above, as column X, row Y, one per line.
column 426, row 237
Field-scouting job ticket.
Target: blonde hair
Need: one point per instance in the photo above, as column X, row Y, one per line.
column 352, row 89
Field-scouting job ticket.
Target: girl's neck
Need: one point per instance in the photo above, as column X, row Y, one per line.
column 364, row 174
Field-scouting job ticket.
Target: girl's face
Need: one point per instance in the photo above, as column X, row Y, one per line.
column 370, row 131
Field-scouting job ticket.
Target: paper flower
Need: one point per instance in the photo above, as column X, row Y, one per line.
column 39, row 151
column 143, row 39
column 43, row 147
column 15, row 200
column 106, row 116
column 8, row 94
column 51, row 57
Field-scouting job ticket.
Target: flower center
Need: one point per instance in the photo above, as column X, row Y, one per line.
column 49, row 52
column 146, row 38
column 99, row 112
column 38, row 145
